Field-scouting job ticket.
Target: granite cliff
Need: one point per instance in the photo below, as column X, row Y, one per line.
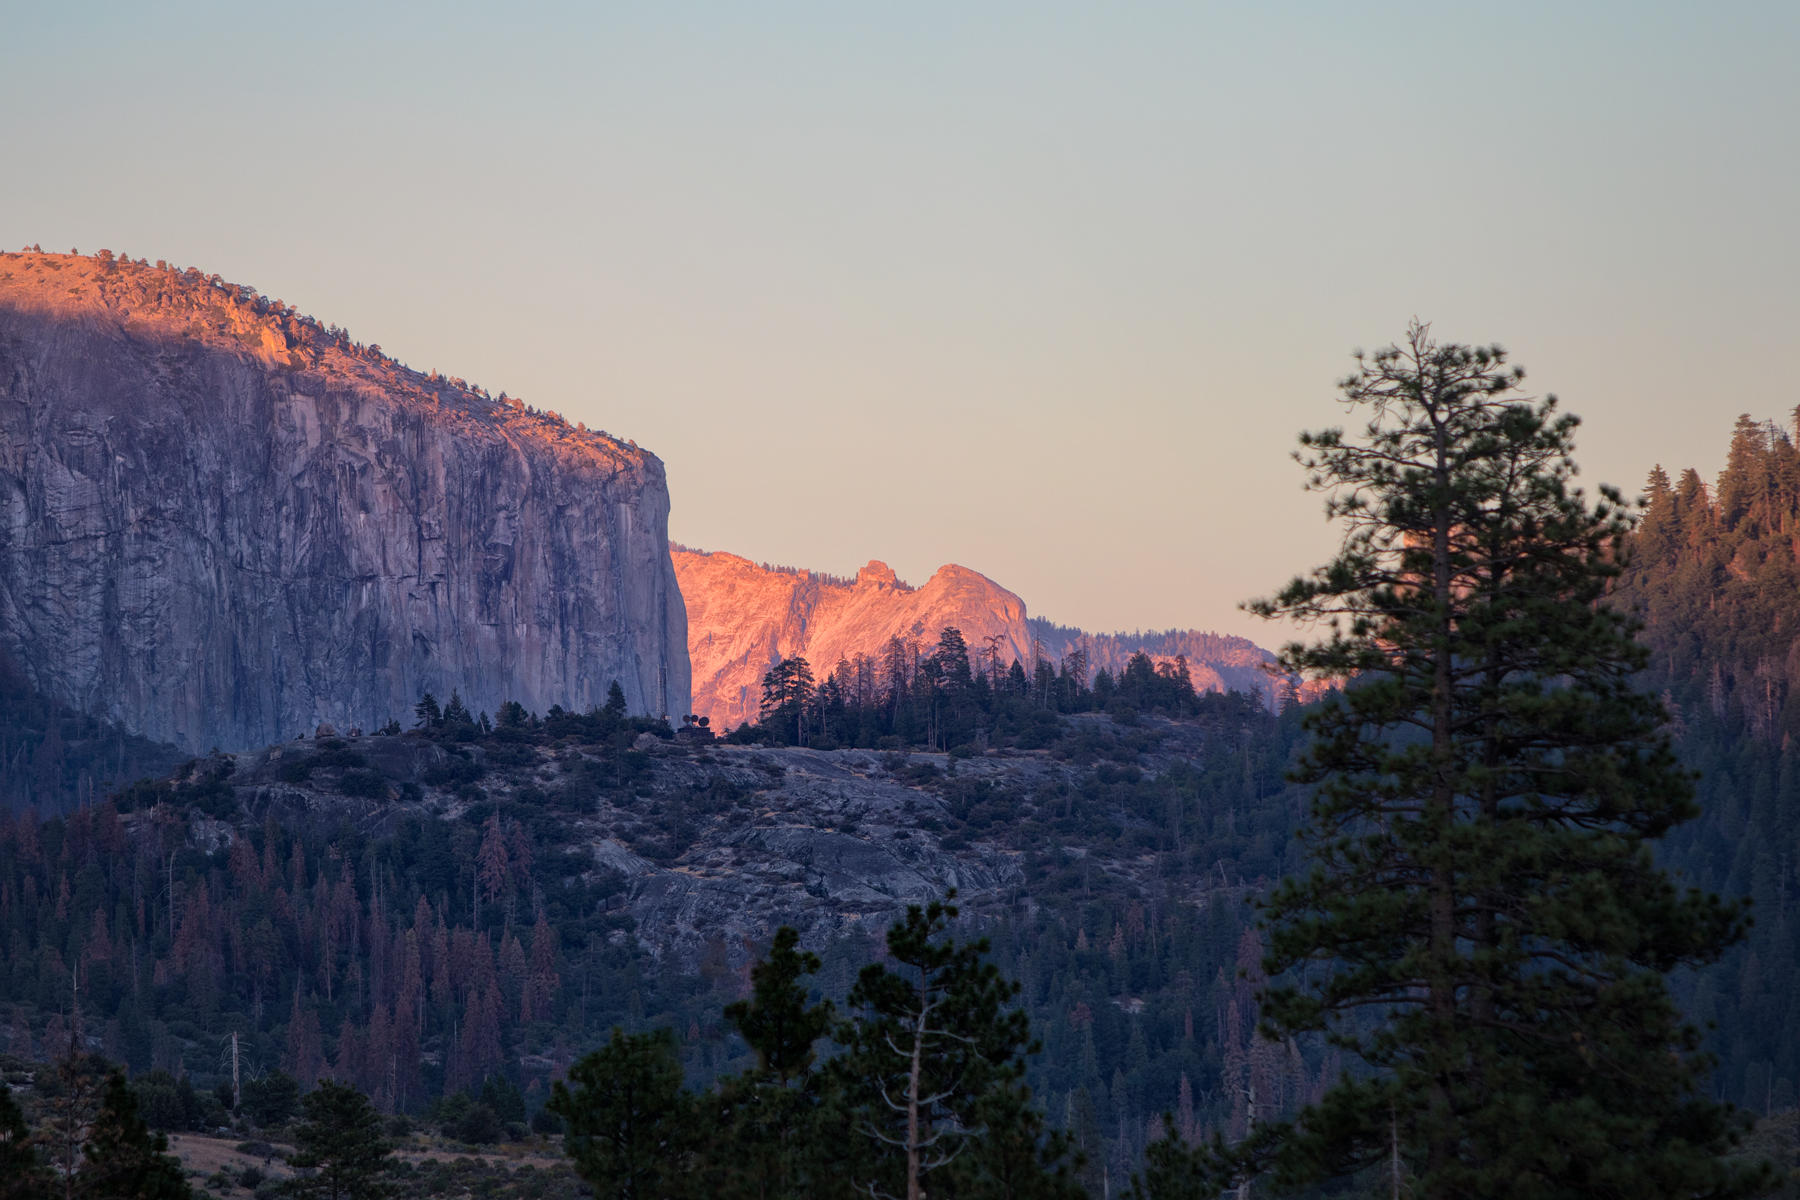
column 743, row 618
column 222, row 523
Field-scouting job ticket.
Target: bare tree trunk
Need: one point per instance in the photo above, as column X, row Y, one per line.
column 1442, row 804
column 912, row 1103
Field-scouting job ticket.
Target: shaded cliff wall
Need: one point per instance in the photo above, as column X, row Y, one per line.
column 222, row 524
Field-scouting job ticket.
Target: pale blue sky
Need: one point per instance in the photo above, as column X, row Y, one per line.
column 1043, row 289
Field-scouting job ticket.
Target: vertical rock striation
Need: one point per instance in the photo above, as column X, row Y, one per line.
column 223, row 524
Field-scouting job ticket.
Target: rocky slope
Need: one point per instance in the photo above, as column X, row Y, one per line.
column 743, row 618
column 708, row 841
column 222, row 523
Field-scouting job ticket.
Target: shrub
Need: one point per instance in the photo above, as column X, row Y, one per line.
column 480, row 1126
column 370, row 785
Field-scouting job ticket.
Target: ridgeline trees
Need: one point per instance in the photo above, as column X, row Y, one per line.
column 1483, row 925
column 947, row 698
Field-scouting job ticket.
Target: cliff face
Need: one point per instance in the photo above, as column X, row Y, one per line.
column 221, row 523
column 744, row 618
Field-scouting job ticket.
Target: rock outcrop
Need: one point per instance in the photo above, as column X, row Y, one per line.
column 222, row 523
column 743, row 618
column 724, row 844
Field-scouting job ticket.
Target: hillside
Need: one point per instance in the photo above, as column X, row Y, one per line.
column 223, row 523
column 419, row 912
column 1715, row 573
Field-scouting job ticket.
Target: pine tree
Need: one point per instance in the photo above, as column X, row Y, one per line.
column 779, row 1146
column 630, row 1127
column 341, row 1153
column 932, row 1070
column 493, row 864
column 123, row 1160
column 1483, row 924
column 787, row 694
column 614, row 708
column 71, row 1103
column 22, row 1174
column 456, row 713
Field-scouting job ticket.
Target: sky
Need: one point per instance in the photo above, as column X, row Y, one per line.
column 1046, row 290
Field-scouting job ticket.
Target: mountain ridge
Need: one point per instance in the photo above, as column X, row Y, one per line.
column 744, row 617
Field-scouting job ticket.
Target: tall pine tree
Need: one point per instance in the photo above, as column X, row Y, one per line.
column 1483, row 924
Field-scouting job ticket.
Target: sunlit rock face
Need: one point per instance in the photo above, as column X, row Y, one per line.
column 744, row 618
column 222, row 524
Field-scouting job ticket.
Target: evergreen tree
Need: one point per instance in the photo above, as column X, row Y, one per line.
column 952, row 658
column 614, row 708
column 630, row 1127
column 778, row 1144
column 456, row 713
column 787, row 694
column 1483, row 924
column 272, row 1099
column 72, row 1096
column 123, row 1159
column 22, row 1173
column 932, row 1068
column 1656, row 532
column 341, row 1153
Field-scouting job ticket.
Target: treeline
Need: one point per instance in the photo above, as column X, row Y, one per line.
column 203, row 298
column 914, row 1081
column 1715, row 573
column 954, row 697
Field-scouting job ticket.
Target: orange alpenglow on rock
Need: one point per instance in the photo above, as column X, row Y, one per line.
column 743, row 618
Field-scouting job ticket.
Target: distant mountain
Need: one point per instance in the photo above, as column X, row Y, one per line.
column 223, row 523
column 745, row 617
column 1217, row 661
